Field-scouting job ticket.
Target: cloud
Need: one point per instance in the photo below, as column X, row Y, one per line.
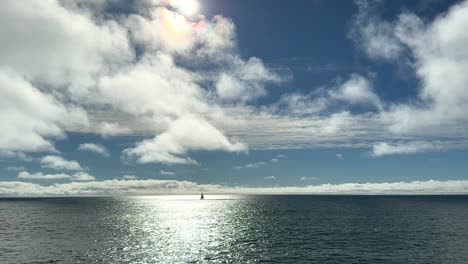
column 437, row 54
column 356, row 90
column 299, row 104
column 384, row 148
column 29, row 117
column 245, row 81
column 97, row 148
column 171, row 146
column 270, row 178
column 128, row 177
column 339, row 156
column 59, row 163
column 82, row 176
column 274, row 160
column 9, row 155
column 163, row 172
column 255, row 165
column 154, row 187
column 309, row 178
column 80, row 84
column 372, row 35
column 79, row 176
column 154, row 72
column 15, row 168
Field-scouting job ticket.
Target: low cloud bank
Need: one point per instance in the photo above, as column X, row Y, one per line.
column 159, row 187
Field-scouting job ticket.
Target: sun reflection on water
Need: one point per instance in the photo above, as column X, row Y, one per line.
column 176, row 229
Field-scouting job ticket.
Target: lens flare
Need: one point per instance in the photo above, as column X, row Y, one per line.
column 185, row 7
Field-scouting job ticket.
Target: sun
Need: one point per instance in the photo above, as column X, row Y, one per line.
column 188, row 7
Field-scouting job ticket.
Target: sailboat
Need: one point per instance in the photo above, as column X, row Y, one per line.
column 201, row 197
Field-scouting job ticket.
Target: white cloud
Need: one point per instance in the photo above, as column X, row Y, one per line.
column 274, row 160
column 245, row 81
column 299, row 104
column 97, row 148
column 163, row 172
column 79, row 176
column 384, row 148
column 86, row 78
column 339, row 156
column 309, row 178
column 44, row 48
column 437, row 53
column 90, row 67
column 82, row 176
column 183, row 135
column 29, row 117
column 255, row 165
column 111, row 129
column 129, row 177
column 59, row 163
column 153, row 187
column 270, row 178
column 373, row 35
column 356, row 90
column 8, row 156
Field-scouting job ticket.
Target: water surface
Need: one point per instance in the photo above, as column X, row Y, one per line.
column 235, row 229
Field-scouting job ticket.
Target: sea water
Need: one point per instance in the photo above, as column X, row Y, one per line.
column 235, row 229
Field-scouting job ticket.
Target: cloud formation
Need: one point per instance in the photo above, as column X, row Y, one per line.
column 59, row 163
column 154, row 187
column 163, row 172
column 79, row 176
column 158, row 72
column 184, row 135
column 384, row 148
column 436, row 51
column 96, row 148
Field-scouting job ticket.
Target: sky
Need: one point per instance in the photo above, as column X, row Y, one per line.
column 142, row 97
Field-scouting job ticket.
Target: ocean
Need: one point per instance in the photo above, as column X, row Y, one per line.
column 235, row 229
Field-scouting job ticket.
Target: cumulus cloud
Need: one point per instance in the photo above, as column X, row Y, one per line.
column 153, row 187
column 79, row 176
column 72, row 78
column 437, row 53
column 30, row 118
column 59, row 163
column 96, row 148
column 183, row 135
column 356, row 90
column 154, row 71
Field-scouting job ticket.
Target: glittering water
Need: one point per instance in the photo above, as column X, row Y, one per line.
column 235, row 229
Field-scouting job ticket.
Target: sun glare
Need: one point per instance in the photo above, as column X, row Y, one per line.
column 188, row 7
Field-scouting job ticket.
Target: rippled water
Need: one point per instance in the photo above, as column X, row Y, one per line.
column 235, row 229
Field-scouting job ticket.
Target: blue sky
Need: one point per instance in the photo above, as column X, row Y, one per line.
column 183, row 96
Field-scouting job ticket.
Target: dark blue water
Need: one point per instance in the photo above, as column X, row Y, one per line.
column 235, row 229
